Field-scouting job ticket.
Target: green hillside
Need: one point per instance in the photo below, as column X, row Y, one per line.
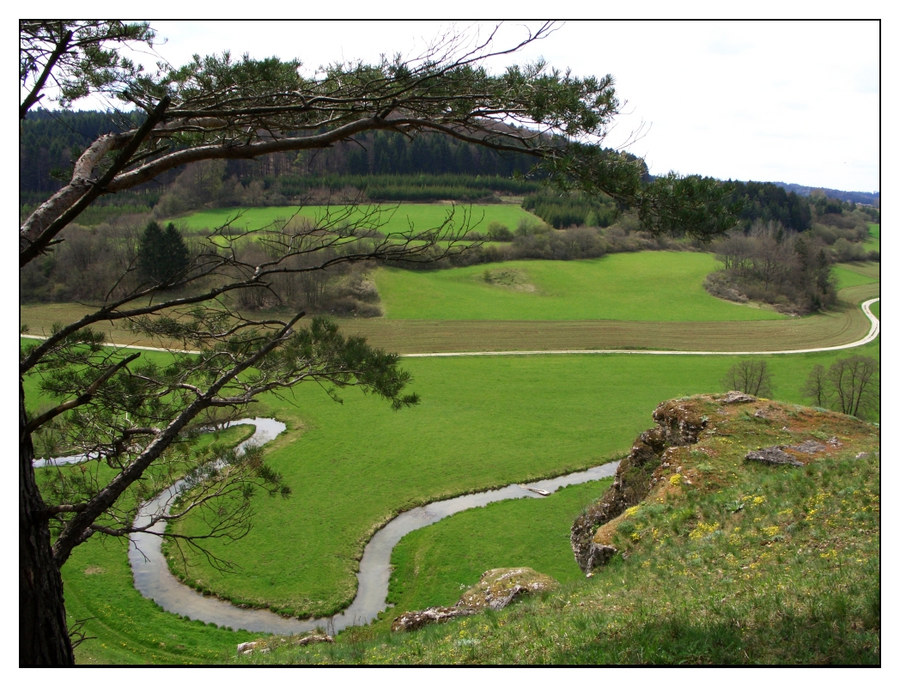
column 650, row 286
column 482, row 422
column 724, row 562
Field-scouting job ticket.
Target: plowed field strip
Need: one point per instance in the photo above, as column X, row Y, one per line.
column 843, row 325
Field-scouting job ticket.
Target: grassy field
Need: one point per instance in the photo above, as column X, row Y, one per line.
column 385, row 218
column 852, row 274
column 626, row 287
column 433, row 564
column 482, row 422
column 576, row 305
column 726, row 563
column 123, row 627
column 874, row 242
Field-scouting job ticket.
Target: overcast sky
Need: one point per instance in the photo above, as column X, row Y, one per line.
column 793, row 101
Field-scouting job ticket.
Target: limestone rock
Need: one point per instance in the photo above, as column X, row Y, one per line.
column 781, row 455
column 263, row 646
column 737, row 397
column 413, row 620
column 496, row 589
column 773, row 455
column 809, row 446
column 677, row 424
column 312, row 638
column 499, row 587
column 247, row 648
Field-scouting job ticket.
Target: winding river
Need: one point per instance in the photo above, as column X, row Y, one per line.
column 153, row 579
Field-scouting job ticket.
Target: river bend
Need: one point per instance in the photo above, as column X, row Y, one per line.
column 153, row 579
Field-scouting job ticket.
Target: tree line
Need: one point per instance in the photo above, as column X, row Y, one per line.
column 416, row 187
column 382, row 165
column 562, row 211
column 849, row 385
column 768, row 202
column 54, row 139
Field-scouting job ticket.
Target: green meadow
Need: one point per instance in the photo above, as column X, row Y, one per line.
column 123, row 627
column 387, row 218
column 651, row 286
column 874, row 241
column 482, row 422
column 431, row 565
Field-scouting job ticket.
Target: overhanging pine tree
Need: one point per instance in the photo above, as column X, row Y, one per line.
column 218, row 108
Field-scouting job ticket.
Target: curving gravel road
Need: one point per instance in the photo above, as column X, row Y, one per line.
column 874, row 330
column 866, row 308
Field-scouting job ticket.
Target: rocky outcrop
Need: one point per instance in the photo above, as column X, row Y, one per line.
column 496, row 589
column 677, row 424
column 701, row 442
column 499, row 587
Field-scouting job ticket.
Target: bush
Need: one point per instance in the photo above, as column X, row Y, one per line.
column 750, row 376
column 499, row 232
column 530, row 227
column 845, row 251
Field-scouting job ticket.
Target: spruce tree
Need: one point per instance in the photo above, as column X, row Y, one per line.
column 162, row 255
column 150, row 253
column 175, row 253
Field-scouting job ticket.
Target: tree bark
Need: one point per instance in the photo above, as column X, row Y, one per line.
column 43, row 636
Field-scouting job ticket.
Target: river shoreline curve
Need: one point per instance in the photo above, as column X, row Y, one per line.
column 154, row 580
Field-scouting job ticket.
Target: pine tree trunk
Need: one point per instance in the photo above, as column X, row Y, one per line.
column 43, row 636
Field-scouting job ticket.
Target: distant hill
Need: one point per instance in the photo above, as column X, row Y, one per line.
column 861, row 197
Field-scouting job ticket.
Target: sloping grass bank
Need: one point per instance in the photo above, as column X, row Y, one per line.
column 482, row 423
column 726, row 562
column 654, row 286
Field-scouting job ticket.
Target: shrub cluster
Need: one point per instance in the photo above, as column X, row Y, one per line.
column 770, row 265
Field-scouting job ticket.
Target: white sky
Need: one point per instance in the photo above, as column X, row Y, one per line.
column 776, row 100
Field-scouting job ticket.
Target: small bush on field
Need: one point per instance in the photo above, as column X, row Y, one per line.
column 499, row 232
